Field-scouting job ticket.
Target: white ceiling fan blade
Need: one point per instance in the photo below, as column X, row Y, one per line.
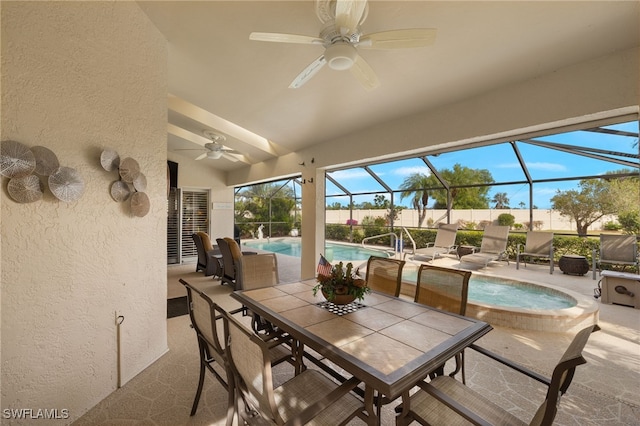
column 348, row 15
column 362, row 71
column 285, row 38
column 201, row 156
column 308, row 72
column 399, row 39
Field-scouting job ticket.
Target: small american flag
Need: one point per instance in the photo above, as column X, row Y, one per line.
column 324, row 267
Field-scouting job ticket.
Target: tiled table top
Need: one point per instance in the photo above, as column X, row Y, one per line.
column 389, row 343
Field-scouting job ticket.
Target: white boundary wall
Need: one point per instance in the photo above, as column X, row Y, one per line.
column 551, row 220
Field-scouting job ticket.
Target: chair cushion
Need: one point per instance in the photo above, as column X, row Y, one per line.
column 206, row 241
column 235, row 249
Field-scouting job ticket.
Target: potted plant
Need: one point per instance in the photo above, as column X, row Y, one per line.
column 342, row 286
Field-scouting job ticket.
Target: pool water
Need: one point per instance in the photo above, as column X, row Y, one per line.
column 333, row 251
column 503, row 292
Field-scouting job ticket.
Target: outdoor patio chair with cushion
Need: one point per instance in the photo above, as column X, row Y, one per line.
column 384, row 275
column 446, row 401
column 208, row 258
column 620, row 250
column 231, row 252
column 308, row 398
column 538, row 244
column 445, row 289
column 444, row 243
column 207, row 320
column 493, row 246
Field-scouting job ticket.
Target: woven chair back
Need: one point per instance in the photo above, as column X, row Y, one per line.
column 538, row 243
column 443, row 288
column 494, row 239
column 384, row 275
column 619, row 248
column 562, row 377
column 446, row 235
column 250, row 361
column 257, row 271
column 206, row 320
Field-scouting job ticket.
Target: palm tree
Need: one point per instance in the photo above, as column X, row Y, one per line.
column 501, row 200
column 416, row 186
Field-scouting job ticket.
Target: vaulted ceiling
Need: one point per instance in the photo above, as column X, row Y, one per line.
column 221, row 80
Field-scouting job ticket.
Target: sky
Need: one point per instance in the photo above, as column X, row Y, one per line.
column 502, row 162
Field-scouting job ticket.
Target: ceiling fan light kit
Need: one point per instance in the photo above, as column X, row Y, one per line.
column 340, row 56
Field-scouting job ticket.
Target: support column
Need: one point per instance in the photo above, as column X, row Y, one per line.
column 313, row 221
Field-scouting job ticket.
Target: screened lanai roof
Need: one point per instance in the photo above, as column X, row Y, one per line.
column 529, row 170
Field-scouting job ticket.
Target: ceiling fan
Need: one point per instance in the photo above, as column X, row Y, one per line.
column 214, row 149
column 341, row 36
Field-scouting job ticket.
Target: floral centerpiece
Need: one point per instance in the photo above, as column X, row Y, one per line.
column 343, row 285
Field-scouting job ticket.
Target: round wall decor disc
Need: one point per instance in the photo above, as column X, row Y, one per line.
column 110, row 160
column 66, row 184
column 120, row 191
column 129, row 169
column 140, row 204
column 26, row 189
column 16, row 160
column 140, row 183
column 46, row 161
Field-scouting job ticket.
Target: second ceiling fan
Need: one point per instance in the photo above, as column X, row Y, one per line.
column 341, row 36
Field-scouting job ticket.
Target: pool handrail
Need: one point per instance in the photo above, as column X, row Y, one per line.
column 396, row 248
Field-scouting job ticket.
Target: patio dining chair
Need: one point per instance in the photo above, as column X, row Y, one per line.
column 444, row 243
column 446, row 401
column 253, row 272
column 445, row 289
column 207, row 321
column 619, row 250
column 538, row 244
column 308, row 398
column 493, row 246
column 384, row 275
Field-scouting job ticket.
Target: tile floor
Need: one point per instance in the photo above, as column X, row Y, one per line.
column 605, row 391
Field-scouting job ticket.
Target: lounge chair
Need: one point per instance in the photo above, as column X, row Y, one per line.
column 445, row 243
column 621, row 250
column 493, row 247
column 446, row 401
column 538, row 244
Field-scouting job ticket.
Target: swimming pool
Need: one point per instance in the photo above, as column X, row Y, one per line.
column 496, row 300
column 333, row 251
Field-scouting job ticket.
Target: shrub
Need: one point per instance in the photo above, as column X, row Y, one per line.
column 612, row 226
column 506, row 219
column 630, row 221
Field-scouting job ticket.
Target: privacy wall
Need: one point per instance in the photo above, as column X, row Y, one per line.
column 78, row 77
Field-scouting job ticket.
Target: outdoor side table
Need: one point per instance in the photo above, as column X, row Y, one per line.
column 464, row 250
column 573, row 264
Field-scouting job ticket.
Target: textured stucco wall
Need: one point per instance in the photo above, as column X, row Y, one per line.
column 78, row 77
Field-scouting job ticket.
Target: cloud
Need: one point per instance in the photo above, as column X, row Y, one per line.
column 406, row 171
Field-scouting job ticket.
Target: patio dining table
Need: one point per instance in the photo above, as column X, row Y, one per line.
column 388, row 343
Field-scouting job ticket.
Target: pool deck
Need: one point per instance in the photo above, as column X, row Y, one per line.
column 606, row 390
